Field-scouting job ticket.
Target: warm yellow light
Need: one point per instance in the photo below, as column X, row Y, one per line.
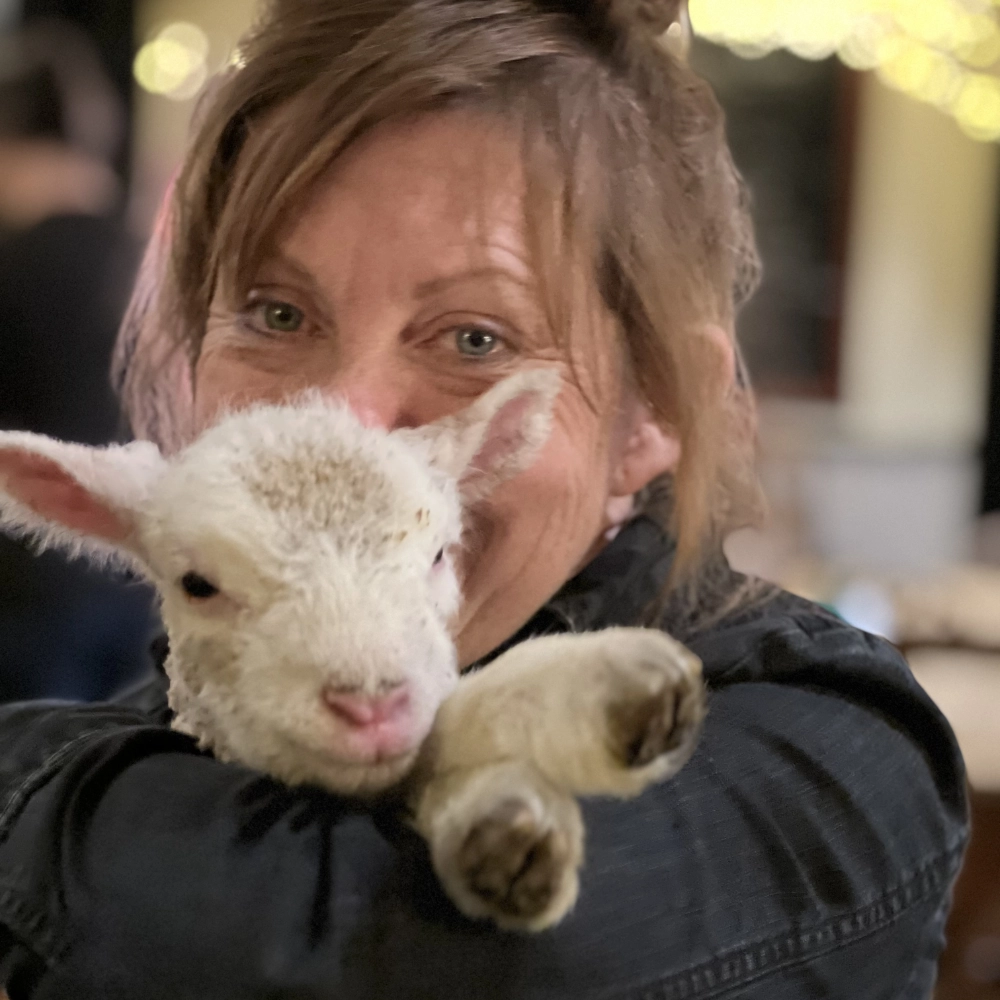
column 860, row 49
column 174, row 63
column 922, row 72
column 706, row 18
column 815, row 31
column 980, row 44
column 934, row 23
column 163, row 65
column 752, row 25
column 189, row 35
column 934, row 50
column 942, row 84
column 977, row 107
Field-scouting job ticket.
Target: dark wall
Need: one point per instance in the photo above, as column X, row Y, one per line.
column 110, row 24
column 791, row 125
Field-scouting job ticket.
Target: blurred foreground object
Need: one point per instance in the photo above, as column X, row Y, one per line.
column 944, row 52
column 61, row 125
column 66, row 267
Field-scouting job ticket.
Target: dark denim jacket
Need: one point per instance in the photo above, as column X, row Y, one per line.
column 807, row 850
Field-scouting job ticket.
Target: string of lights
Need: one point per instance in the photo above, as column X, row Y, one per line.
column 944, row 52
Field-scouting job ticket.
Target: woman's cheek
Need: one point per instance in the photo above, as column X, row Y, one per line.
column 533, row 532
column 232, row 376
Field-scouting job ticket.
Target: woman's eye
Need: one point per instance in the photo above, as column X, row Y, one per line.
column 439, row 557
column 280, row 317
column 476, row 342
column 197, row 587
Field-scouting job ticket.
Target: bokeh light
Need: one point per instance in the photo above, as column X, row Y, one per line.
column 977, row 107
column 944, row 52
column 174, row 63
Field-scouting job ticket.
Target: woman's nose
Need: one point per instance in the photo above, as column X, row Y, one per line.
column 372, row 413
column 377, row 396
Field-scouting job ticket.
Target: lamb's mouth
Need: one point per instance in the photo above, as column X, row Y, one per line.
column 354, row 777
column 375, row 747
column 366, row 737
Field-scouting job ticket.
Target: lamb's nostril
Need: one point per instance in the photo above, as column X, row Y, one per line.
column 363, row 710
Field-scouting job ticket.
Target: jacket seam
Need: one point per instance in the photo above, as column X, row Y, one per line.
column 35, row 926
column 778, row 952
column 31, row 925
column 19, row 797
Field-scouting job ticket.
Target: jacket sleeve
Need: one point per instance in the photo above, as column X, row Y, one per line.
column 807, row 850
column 133, row 865
column 826, row 812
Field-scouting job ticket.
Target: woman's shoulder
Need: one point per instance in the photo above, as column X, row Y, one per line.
column 765, row 632
column 824, row 807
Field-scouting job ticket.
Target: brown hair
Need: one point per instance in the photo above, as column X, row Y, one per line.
column 624, row 151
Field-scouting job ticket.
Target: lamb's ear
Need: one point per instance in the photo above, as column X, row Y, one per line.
column 76, row 498
column 496, row 437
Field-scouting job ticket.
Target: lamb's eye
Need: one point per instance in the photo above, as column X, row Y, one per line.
column 439, row 557
column 198, row 587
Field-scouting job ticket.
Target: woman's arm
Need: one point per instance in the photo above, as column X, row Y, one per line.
column 131, row 865
column 807, row 849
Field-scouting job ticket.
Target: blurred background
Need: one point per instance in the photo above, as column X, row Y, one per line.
column 868, row 131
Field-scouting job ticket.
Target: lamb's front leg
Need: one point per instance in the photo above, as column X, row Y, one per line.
column 601, row 713
column 506, row 844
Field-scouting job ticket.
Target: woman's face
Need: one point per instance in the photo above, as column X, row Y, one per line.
column 406, row 287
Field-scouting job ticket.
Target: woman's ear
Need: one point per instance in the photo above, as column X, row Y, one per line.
column 725, row 352
column 651, row 450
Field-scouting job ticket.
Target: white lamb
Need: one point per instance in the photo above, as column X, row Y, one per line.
column 305, row 569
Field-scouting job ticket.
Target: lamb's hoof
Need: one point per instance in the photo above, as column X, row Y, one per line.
column 517, row 865
column 658, row 717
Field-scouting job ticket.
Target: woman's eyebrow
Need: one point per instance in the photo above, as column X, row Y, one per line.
column 281, row 261
column 434, row 285
column 299, row 273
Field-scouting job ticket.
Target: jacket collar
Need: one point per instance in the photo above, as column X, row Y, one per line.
column 619, row 584
column 616, row 588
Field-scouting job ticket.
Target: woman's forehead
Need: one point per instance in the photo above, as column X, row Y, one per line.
column 423, row 204
column 438, row 193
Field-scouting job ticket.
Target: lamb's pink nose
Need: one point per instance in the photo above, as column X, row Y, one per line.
column 363, row 710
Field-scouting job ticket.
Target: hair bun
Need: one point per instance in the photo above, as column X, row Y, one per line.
column 607, row 22
column 651, row 16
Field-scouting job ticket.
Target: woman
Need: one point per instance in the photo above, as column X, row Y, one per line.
column 401, row 202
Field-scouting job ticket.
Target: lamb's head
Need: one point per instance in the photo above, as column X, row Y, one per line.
column 305, row 565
